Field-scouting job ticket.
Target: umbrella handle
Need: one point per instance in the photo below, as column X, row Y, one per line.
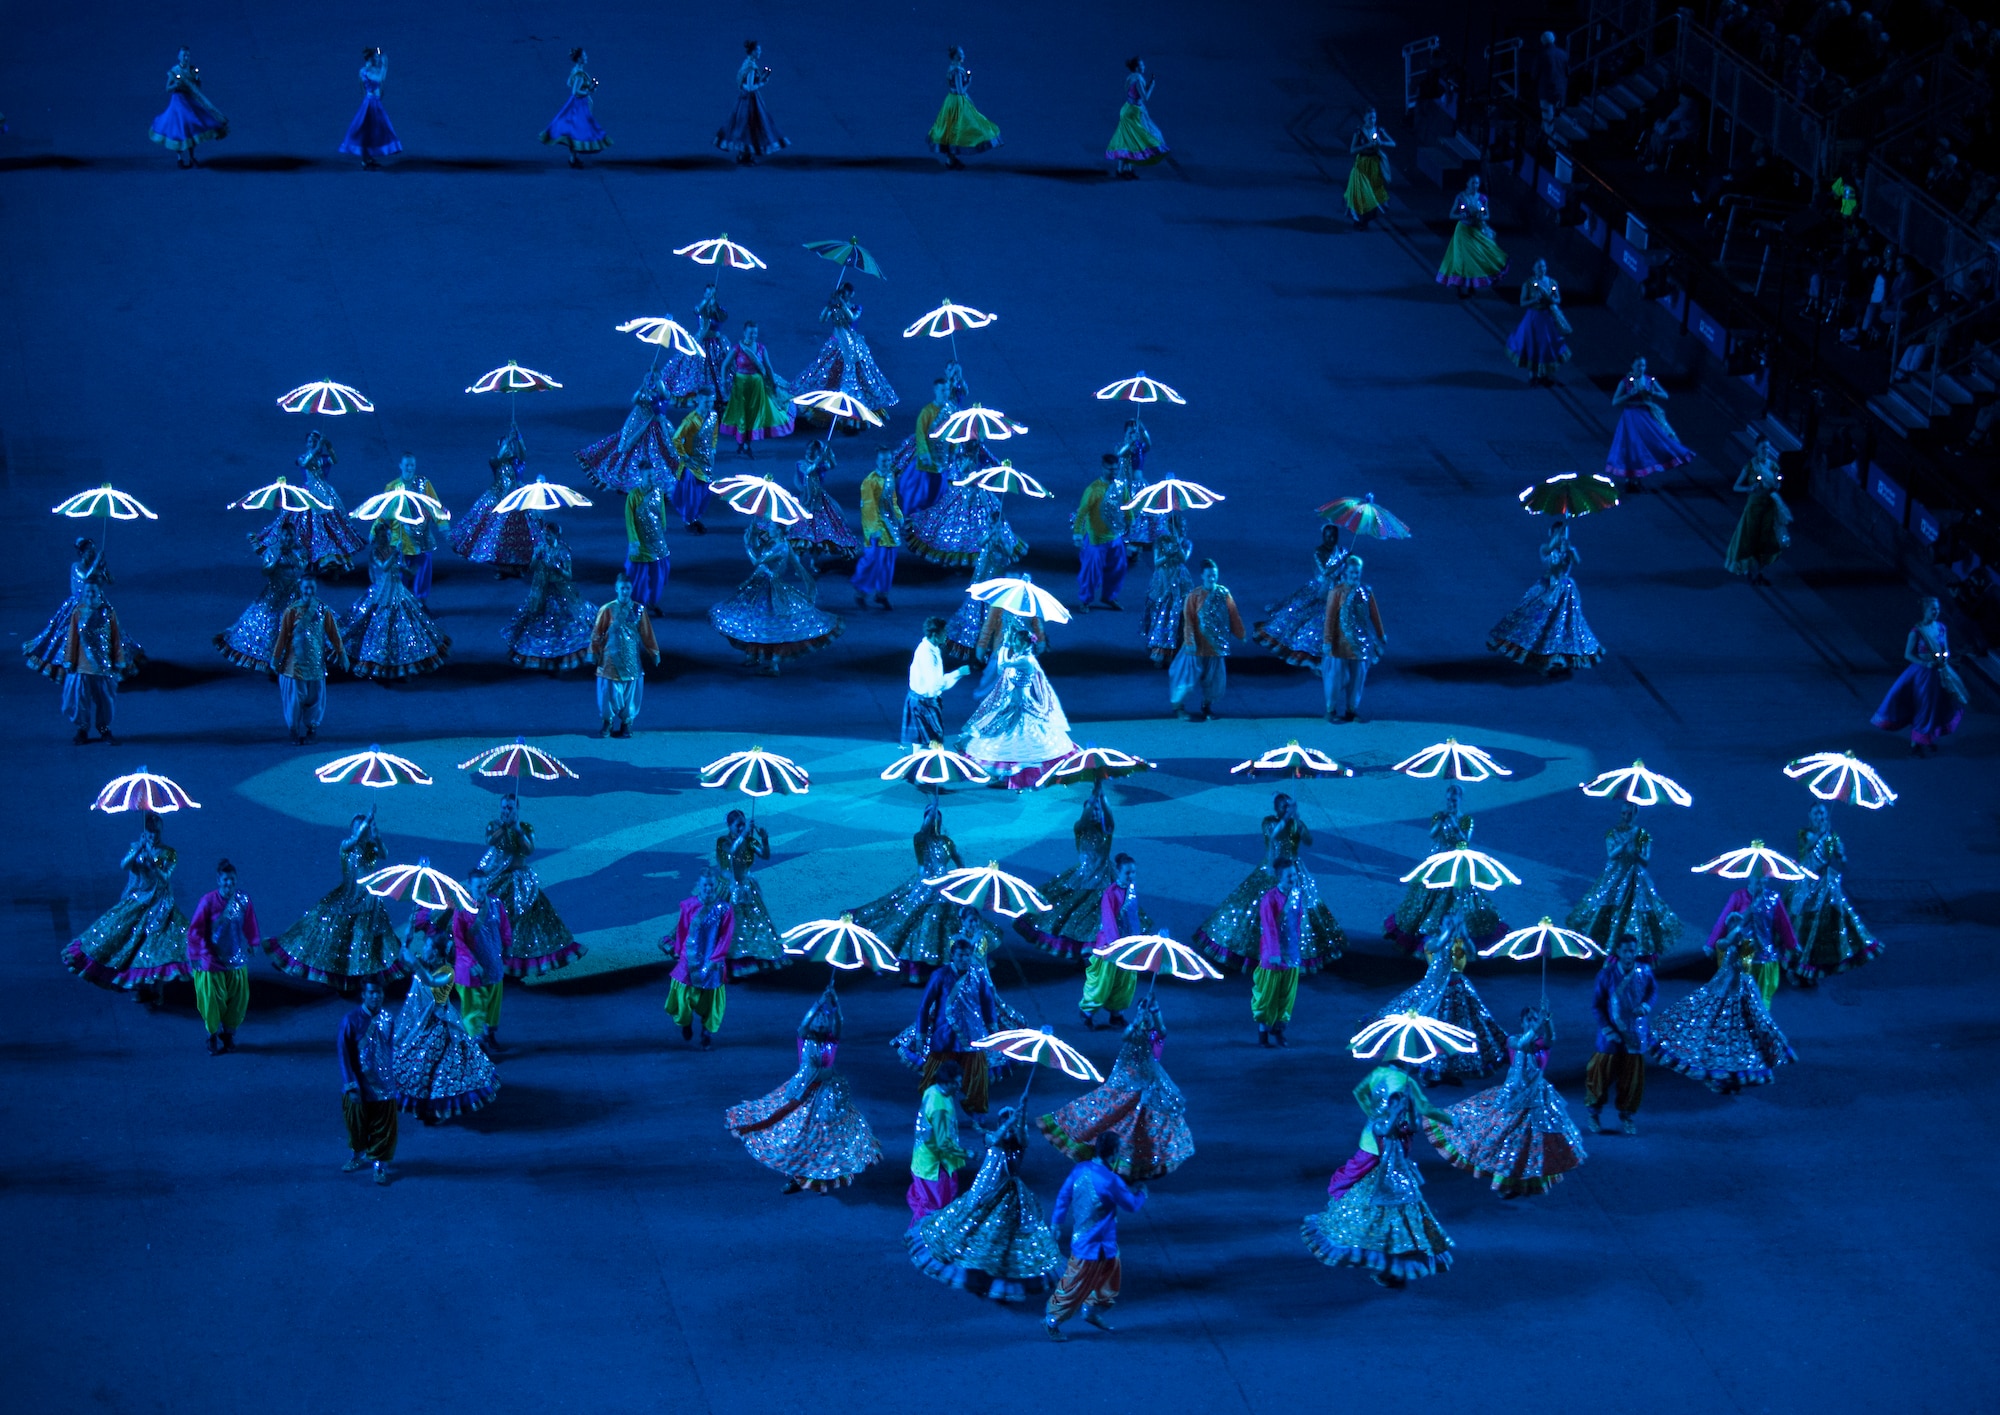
column 1030, row 1086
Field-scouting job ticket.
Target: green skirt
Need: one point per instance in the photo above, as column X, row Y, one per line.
column 1761, row 535
column 1367, row 187
column 1135, row 139
column 753, row 411
column 962, row 127
column 1472, row 260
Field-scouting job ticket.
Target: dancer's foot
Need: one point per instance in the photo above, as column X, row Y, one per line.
column 1096, row 1319
column 82, row 739
column 1089, row 1020
column 687, row 1031
column 1056, row 1333
column 1627, row 1125
column 882, row 602
column 1597, row 1120
column 354, row 1162
column 381, row 1172
column 1263, row 1035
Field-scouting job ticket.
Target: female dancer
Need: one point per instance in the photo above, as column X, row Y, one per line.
column 1831, row 936
column 953, row 529
column 1764, row 920
column 1136, row 141
column 1166, row 590
column 1643, row 442
column 755, row 946
column 1447, row 994
column 641, row 451
column 370, row 136
column 1140, row 1104
column 1928, row 697
column 247, row 642
column 1518, row 1134
column 1375, row 1216
column 486, row 536
column 992, row 1240
column 1546, row 630
column 1537, row 343
column 575, row 125
column 328, row 539
column 825, row 534
column 1765, row 527
column 389, row 634
column 1368, row 181
column 915, row 460
column 437, row 1068
column 551, row 631
column 189, row 117
column 809, row 1129
column 960, row 127
column 1296, row 628
column 760, row 405
column 750, row 133
column 768, row 618
column 139, row 944
column 45, row 652
column 1423, row 909
column 1069, row 926
column 1472, row 261
column 714, row 343
column 541, row 942
column 844, row 362
column 1231, row 934
column 1019, row 727
column 1723, row 1033
column 996, row 557
column 346, row 938
column 915, row 919
column 1623, row 903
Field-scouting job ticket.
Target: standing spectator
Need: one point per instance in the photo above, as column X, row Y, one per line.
column 1551, row 78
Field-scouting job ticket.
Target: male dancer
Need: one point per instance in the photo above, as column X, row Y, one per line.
column 1090, row 1200
column 414, row 543
column 700, row 950
column 479, row 943
column 923, row 713
column 220, row 939
column 1354, row 641
column 881, row 533
column 1621, row 999
column 694, row 445
column 921, row 481
column 648, row 560
column 959, row 1006
column 1105, row 984
column 367, row 1098
column 937, row 1157
column 1098, row 531
column 92, row 648
column 1200, row 669
column 1768, row 923
column 308, row 635
column 622, row 635
column 1280, row 922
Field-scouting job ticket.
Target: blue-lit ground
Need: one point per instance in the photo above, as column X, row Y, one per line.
column 181, row 1237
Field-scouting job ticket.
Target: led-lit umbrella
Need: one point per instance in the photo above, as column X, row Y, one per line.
column 757, row 773
column 143, row 790
column 1170, row 495
column 1139, row 389
column 1299, row 763
column 1741, row 864
column 541, row 494
column 1154, row 954
column 1039, row 1048
column 1466, row 763
column 935, row 767
column 1842, row 776
column 1092, row 764
column 107, row 504
column 761, row 497
column 286, row 496
column 373, row 767
column 1452, row 869
column 1022, row 598
column 946, row 320
column 1639, row 786
column 989, row 887
column 720, row 251
column 1410, row 1039
column 846, row 254
column 976, row 424
column 842, row 944
column 1570, row 494
column 838, row 405
column 425, row 887
column 330, row 400
column 1542, row 941
column 663, row 332
column 1003, row 479
column 403, row 505
column 1360, row 516
column 513, row 380
column 516, row 759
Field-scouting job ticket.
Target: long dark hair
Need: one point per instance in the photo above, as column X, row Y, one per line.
column 576, row 54
column 749, row 46
column 370, row 52
column 1132, row 64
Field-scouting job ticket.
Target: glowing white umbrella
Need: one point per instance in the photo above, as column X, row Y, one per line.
column 760, row 496
column 373, row 767
column 105, row 502
column 836, row 404
column 1294, row 761
column 286, row 496
column 1021, row 597
column 330, row 400
column 1449, row 869
column 1092, row 764
column 1639, row 786
column 1039, row 1048
column 978, row 422
column 1466, row 763
column 842, row 943
column 1542, row 941
column 513, row 380
column 936, row 766
column 1004, row 478
column 427, row 888
column 143, row 791
column 1139, row 389
column 1836, row 776
column 989, row 887
column 757, row 773
column 946, row 320
column 1157, row 954
column 541, row 494
column 1410, row 1038
column 1170, row 494
column 407, row 507
column 514, row 759
column 1740, row 864
column 721, row 250
column 665, row 332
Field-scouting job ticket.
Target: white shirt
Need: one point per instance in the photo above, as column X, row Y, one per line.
column 927, row 676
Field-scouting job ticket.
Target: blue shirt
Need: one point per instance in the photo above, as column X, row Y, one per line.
column 1091, row 1197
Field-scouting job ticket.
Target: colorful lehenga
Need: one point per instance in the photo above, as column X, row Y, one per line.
column 189, row 117
column 760, row 405
column 141, row 941
column 1546, row 630
column 957, row 527
column 1296, row 627
column 1517, row 1135
column 824, row 533
column 1624, row 899
column 1068, row 927
column 1537, row 343
column 346, row 939
column 1927, row 698
column 1166, row 590
column 960, row 126
column 996, row 556
column 809, row 1129
column 487, row 536
column 845, row 363
column 914, row 919
column 1375, row 1216
column 769, row 618
column 750, row 133
column 1643, row 442
column 1473, row 260
column 1722, row 1033
column 1446, row 994
column 1137, row 140
column 756, row 946
column 46, row 652
column 1832, row 938
column 641, row 453
column 1231, row 935
column 992, row 1240
column 542, row 942
column 575, row 125
column 247, row 642
column 389, row 634
column 326, row 537
column 437, row 1068
column 1423, row 910
column 1762, row 532
column 1138, row 1102
column 1019, row 727
column 551, row 631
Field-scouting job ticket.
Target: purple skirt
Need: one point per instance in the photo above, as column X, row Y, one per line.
column 1537, row 344
column 750, row 131
column 575, row 127
column 181, row 124
column 370, row 135
column 1917, row 700
column 1644, row 444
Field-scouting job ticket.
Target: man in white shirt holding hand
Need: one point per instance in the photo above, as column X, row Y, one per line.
column 923, row 716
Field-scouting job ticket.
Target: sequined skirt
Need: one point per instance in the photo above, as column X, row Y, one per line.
column 1831, row 936
column 1624, row 901
column 43, row 653
column 1018, row 726
column 809, row 1129
column 438, row 1070
column 1165, row 593
column 757, row 947
column 142, row 939
column 913, row 919
column 1546, row 630
column 1296, row 629
column 991, row 1241
column 326, row 540
column 846, row 363
column 1155, row 1140
column 1231, row 934
column 1422, row 913
column 247, row 642
column 485, row 537
column 1523, row 1141
column 1723, row 1035
column 827, row 535
column 393, row 638
column 1454, row 1000
column 951, row 530
column 344, row 940
column 1399, row 1240
column 961, row 631
column 648, row 460
column 768, row 619
column 553, row 635
column 1068, row 927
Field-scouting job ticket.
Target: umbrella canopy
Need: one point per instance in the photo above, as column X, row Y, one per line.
column 517, row 759
column 989, row 887
column 104, row 501
column 410, row 508
column 1040, row 1048
column 142, row 790
column 936, row 766
column 762, row 497
column 425, row 887
column 842, row 943
column 1466, row 763
column 1004, row 478
column 1021, row 597
column 1639, row 786
column 947, row 319
column 1171, row 494
column 1092, row 764
column 1448, row 869
column 373, row 767
column 1741, row 864
column 978, row 423
column 757, row 772
column 1139, row 389
column 330, row 400
column 1410, row 1038
column 1291, row 760
column 1838, row 776
column 837, row 404
column 510, row 377
column 1359, row 515
column 1570, row 494
column 722, row 249
column 847, row 252
column 541, row 494
column 1156, row 953
column 663, row 331
column 283, row 494
column 1544, row 940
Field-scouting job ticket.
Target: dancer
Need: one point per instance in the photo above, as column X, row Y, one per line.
column 1622, row 999
column 480, row 941
column 1106, row 986
column 760, row 403
column 969, row 623
column 1832, row 937
column 346, row 939
column 487, row 536
column 936, row 1158
column 307, row 639
column 809, row 1129
column 714, row 345
column 648, row 558
column 1518, row 1135
column 1089, row 1202
column 139, row 944
column 960, row 127
column 955, row 528
column 1199, row 671
column 699, row 946
column 959, row 1006
column 1296, row 627
column 389, row 634
column 621, row 645
column 366, row 1045
column 1472, row 261
column 1375, row 1216
column 1643, row 442
column 327, row 537
column 1722, row 1033
column 916, row 456
column 1537, row 343
column 694, row 445
column 1019, row 727
column 1547, row 630
column 914, row 918
column 1136, row 141
column 553, row 628
column 638, row 455
column 247, row 642
column 1098, row 531
column 92, row 659
column 845, row 363
column 1234, row 934
column 991, row 1240
column 822, row 534
column 43, row 653
column 575, row 125
column 1446, row 994
column 1166, row 590
column 923, row 713
column 881, row 533
column 1281, row 929
column 1928, row 697
column 768, row 619
column 1758, row 913
column 539, row 941
column 1423, row 908
column 220, row 939
column 1765, row 527
column 1140, row 1104
column 415, row 543
column 1073, row 924
column 757, row 945
column 370, row 136
column 1351, row 642
column 438, row 1070
column 750, row 134
column 189, row 118
column 1368, row 180
column 1624, row 900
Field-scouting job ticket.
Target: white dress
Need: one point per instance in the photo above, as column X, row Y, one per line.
column 1020, row 723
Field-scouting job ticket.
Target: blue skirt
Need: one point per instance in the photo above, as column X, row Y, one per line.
column 750, row 131
column 1918, row 700
column 1537, row 344
column 1546, row 630
column 1644, row 444
column 370, row 135
column 575, row 127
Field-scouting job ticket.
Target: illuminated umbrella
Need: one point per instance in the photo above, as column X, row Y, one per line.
column 665, row 332
column 842, row 944
column 1039, row 1048
column 1541, row 941
column 935, row 767
column 1300, row 763
column 849, row 252
column 427, row 888
column 1741, row 864
column 989, row 887
column 1093, row 764
column 1569, row 494
column 1004, row 478
column 1154, row 954
column 107, row 504
column 515, row 759
column 284, row 495
column 541, row 494
column 373, row 767
column 757, row 773
column 760, row 496
column 514, row 380
column 1466, row 763
column 1360, row 516
column 330, row 400
column 946, row 320
column 1170, row 494
column 1140, row 389
column 1639, row 786
column 837, row 404
column 721, row 251
column 976, row 423
column 410, row 508
column 1021, row 597
column 1411, row 1039
column 143, row 791
column 1448, row 869
column 1836, row 776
